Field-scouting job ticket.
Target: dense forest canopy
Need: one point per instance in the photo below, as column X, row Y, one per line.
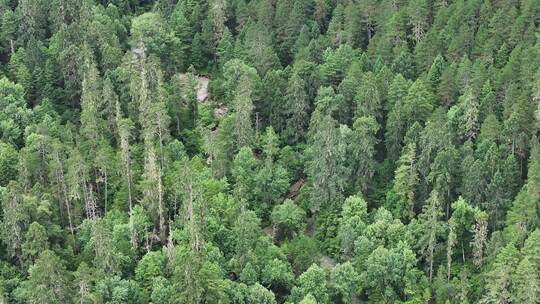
column 347, row 151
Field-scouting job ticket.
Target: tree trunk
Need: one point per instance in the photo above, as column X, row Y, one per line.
column 62, row 183
column 132, row 231
column 162, row 231
column 105, row 180
column 191, row 214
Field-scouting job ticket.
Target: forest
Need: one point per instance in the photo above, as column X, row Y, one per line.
column 270, row 151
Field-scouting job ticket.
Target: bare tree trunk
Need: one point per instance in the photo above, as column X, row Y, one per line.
column 130, row 204
column 418, row 31
column 462, row 251
column 170, row 250
column 90, row 202
column 83, row 291
column 62, row 183
column 124, row 135
column 449, row 250
column 202, row 220
column 162, row 232
column 191, row 215
column 105, row 180
column 431, row 264
column 448, row 204
column 161, row 154
column 43, row 154
column 127, row 162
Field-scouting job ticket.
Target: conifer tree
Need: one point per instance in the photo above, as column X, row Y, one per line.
column 396, row 122
column 297, row 109
column 362, row 151
column 326, row 165
column 124, row 127
column 244, row 130
column 35, row 243
column 16, row 220
column 368, row 99
column 418, row 14
column 49, row 280
column 431, row 219
column 418, row 103
column 405, row 182
column 526, row 287
column 499, row 279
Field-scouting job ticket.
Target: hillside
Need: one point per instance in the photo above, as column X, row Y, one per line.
column 270, row 151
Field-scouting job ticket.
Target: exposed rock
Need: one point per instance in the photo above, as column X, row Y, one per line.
column 327, row 262
column 294, row 189
column 220, row 110
column 137, row 52
column 202, row 88
column 269, row 230
column 310, row 227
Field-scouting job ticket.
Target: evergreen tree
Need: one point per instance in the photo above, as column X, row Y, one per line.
column 362, row 151
column 499, row 279
column 526, row 287
column 14, row 115
column 418, row 103
column 49, row 280
column 368, row 99
column 418, row 15
column 396, row 121
column 9, row 161
column 433, row 227
column 312, row 282
column 244, row 130
column 470, row 117
column 404, row 186
column 269, row 151
column 435, row 71
column 35, row 243
column 16, row 219
column 326, row 167
column 297, row 109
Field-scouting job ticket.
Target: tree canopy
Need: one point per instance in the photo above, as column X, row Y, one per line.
column 269, row 151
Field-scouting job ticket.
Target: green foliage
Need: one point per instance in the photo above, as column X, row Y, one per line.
column 500, row 276
column 336, row 63
column 150, row 268
column 288, row 218
column 353, row 222
column 297, row 109
column 390, row 274
column 269, row 151
column 259, row 294
column 35, row 243
column 302, row 251
column 368, row 98
column 402, row 196
column 312, row 282
column 344, row 281
column 418, row 103
column 49, row 280
column 362, row 147
column 526, row 280
column 9, row 162
column 15, row 115
column 522, row 217
column 326, row 153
